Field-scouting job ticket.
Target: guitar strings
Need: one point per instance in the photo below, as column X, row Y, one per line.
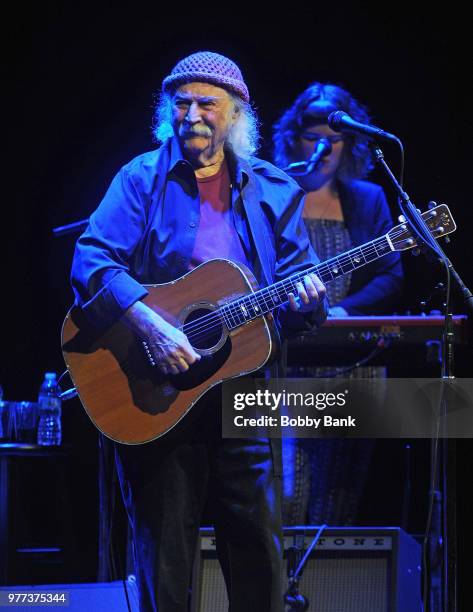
column 288, row 285
column 199, row 328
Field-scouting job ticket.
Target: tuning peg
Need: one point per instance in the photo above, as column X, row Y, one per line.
column 431, row 204
column 447, row 239
column 416, row 251
column 401, row 219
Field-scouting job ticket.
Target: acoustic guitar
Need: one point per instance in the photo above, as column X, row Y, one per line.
column 227, row 319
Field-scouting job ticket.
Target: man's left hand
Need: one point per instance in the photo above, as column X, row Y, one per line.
column 309, row 294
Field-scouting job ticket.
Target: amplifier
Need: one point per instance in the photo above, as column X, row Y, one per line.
column 349, row 570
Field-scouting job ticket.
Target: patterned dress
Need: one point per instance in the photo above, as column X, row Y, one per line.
column 323, row 479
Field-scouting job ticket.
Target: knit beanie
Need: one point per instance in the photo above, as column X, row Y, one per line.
column 208, row 67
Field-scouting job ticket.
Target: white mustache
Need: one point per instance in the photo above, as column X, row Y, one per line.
column 202, row 131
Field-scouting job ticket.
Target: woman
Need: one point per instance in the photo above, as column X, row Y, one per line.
column 341, row 211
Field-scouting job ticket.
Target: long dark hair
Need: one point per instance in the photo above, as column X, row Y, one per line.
column 313, row 107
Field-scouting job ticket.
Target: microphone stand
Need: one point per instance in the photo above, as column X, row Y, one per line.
column 77, row 226
column 413, row 216
column 439, row 464
column 296, row 560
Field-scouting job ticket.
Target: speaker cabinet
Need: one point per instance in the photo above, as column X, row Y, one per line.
column 349, row 570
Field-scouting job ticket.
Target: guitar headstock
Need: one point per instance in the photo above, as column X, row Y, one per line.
column 439, row 221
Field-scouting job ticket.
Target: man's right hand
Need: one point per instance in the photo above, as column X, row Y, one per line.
column 169, row 347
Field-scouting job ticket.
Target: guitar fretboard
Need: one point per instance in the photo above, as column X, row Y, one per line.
column 263, row 301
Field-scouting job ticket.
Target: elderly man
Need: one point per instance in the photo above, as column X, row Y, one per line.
column 200, row 195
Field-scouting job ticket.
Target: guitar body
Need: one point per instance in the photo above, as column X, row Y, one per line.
column 132, row 402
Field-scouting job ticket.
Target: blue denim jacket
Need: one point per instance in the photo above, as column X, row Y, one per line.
column 144, row 230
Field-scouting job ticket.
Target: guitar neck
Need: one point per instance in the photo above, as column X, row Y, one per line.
column 263, row 301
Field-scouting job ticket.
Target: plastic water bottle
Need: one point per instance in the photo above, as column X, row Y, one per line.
column 49, row 406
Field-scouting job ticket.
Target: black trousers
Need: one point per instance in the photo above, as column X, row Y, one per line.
column 166, row 485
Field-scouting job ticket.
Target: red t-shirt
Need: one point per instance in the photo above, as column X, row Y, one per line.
column 216, row 234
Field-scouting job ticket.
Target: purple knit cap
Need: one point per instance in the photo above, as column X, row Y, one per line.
column 208, row 67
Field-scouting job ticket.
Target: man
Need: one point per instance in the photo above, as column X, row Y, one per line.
column 201, row 195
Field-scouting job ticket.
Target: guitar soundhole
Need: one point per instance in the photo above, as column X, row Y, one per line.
column 203, row 328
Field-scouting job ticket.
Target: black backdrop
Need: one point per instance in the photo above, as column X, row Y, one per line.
column 80, row 84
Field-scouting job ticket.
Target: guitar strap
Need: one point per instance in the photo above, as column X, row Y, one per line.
column 257, row 223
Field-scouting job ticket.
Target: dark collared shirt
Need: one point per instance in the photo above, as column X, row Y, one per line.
column 144, row 232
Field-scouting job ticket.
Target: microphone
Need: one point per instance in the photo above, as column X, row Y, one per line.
column 340, row 121
column 322, row 148
column 303, row 168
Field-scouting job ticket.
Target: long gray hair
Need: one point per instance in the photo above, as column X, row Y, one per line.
column 243, row 138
